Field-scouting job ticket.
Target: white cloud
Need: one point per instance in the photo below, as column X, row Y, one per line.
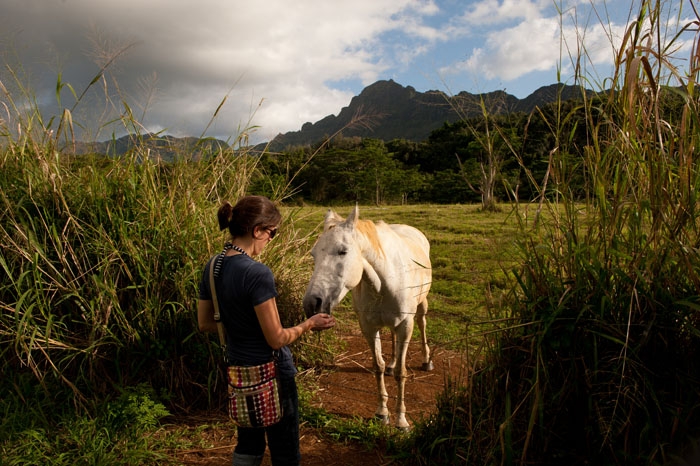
column 539, row 39
column 513, row 52
column 278, row 52
column 490, row 12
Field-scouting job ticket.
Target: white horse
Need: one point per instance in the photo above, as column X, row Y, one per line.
column 387, row 268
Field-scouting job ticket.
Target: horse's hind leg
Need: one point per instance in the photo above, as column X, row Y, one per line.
column 389, row 371
column 421, row 318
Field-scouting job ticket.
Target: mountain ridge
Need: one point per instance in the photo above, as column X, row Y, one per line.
column 387, row 110
column 160, row 146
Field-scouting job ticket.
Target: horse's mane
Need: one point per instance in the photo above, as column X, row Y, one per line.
column 369, row 230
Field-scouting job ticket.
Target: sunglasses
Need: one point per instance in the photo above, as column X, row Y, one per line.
column 271, row 231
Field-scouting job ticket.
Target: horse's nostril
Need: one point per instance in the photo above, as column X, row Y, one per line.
column 312, row 305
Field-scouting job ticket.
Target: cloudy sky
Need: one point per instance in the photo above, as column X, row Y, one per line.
column 276, row 64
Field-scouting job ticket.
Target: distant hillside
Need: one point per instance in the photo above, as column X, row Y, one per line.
column 162, row 147
column 396, row 112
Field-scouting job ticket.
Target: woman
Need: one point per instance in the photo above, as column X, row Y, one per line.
column 246, row 294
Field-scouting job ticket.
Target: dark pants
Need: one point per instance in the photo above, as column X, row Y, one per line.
column 283, row 437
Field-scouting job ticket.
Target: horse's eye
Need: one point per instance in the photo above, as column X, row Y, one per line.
column 342, row 252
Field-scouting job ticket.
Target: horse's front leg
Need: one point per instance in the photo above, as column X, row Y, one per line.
column 375, row 346
column 403, row 337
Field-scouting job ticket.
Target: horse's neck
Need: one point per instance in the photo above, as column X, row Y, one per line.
column 376, row 249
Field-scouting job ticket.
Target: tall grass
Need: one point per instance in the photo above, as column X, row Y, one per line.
column 600, row 363
column 100, row 262
column 100, row 256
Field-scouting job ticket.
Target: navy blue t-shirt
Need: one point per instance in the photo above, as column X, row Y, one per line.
column 242, row 284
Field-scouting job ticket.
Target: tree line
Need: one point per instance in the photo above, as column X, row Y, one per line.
column 472, row 160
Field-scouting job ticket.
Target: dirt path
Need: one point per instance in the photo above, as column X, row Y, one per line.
column 346, row 390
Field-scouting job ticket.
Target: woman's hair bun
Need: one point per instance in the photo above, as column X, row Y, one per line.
column 224, row 215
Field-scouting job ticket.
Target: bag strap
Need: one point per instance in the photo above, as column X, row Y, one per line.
column 217, row 313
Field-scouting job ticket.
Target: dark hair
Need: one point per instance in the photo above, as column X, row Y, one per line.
column 248, row 213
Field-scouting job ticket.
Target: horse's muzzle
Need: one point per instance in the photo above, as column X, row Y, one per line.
column 315, row 305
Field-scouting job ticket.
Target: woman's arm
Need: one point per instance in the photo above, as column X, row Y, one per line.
column 205, row 316
column 278, row 336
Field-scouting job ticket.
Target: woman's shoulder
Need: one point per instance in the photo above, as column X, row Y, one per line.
column 247, row 265
column 258, row 266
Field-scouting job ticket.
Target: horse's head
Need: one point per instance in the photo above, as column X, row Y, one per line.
column 338, row 264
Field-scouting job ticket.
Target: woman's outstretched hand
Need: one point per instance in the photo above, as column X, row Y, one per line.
column 321, row 322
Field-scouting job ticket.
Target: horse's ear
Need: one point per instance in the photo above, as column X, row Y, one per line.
column 331, row 219
column 353, row 217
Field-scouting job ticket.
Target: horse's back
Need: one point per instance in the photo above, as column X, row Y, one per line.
column 415, row 250
column 413, row 237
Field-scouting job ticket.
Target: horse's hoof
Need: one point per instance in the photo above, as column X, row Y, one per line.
column 384, row 418
column 389, row 371
column 404, row 430
column 427, row 366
